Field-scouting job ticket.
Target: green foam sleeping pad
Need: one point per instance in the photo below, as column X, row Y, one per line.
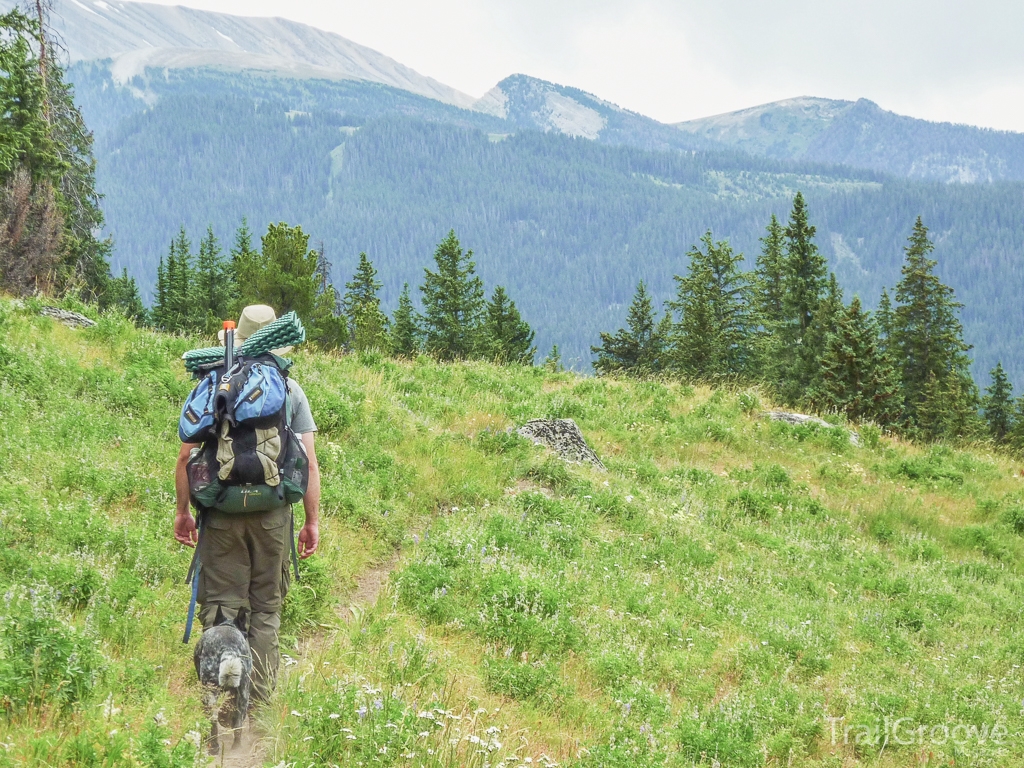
column 286, row 331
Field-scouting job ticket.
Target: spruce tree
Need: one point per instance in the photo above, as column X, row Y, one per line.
column 553, row 361
column 509, row 338
column 636, row 350
column 712, row 335
column 123, row 295
column 998, row 405
column 768, row 285
column 806, row 280
column 405, row 330
column 212, row 287
column 927, row 340
column 289, row 276
column 884, row 320
column 158, row 315
column 453, row 302
column 244, row 260
column 178, row 315
column 1015, row 437
column 855, row 379
column 830, row 310
column 368, row 326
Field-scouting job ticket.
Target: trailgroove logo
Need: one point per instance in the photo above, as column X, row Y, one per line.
column 905, row 732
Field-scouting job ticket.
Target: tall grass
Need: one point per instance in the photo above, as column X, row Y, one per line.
column 731, row 590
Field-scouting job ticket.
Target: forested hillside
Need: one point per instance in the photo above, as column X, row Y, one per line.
column 567, row 225
column 863, row 135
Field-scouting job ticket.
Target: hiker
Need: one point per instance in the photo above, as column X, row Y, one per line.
column 244, row 557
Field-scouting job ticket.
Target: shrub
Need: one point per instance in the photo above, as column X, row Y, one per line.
column 43, row 658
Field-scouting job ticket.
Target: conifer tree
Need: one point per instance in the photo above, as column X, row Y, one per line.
column 178, row 313
column 509, row 338
column 1015, row 437
column 212, row 287
column 553, row 361
column 368, row 326
column 123, row 294
column 854, row 380
column 768, row 283
column 884, row 320
column 636, row 350
column 290, row 276
column 998, row 405
column 158, row 314
column 927, row 340
column 830, row 310
column 405, row 330
column 806, row 280
column 453, row 302
column 244, row 259
column 712, row 335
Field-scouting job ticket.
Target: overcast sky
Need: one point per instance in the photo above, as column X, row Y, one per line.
column 680, row 59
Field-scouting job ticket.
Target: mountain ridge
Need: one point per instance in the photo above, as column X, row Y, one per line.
column 135, row 36
column 862, row 134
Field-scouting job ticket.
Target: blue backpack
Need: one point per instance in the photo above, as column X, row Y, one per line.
column 248, row 460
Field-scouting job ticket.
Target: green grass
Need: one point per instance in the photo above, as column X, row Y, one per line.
column 731, row 590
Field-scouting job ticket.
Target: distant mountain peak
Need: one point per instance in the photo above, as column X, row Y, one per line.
column 135, row 36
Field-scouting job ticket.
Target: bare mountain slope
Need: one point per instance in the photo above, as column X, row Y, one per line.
column 140, row 35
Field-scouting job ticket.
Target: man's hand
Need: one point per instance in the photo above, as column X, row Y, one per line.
column 185, row 529
column 309, row 539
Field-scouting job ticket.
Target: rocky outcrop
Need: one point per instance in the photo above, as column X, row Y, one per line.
column 802, row 418
column 70, row 319
column 563, row 437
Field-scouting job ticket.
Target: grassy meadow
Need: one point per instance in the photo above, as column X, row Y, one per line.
column 730, row 592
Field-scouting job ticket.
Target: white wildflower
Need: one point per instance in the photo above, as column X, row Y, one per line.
column 195, row 738
column 160, row 718
column 296, row 713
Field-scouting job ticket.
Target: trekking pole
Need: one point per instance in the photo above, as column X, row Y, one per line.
column 229, row 345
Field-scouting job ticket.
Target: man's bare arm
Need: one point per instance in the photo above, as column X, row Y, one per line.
column 309, row 536
column 184, row 523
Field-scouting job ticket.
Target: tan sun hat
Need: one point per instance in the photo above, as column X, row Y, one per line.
column 254, row 317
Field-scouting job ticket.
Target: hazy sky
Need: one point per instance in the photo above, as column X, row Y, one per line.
column 679, row 59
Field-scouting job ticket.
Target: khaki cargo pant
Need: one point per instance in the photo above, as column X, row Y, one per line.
column 245, row 561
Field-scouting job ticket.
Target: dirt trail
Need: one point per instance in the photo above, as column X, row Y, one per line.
column 251, row 753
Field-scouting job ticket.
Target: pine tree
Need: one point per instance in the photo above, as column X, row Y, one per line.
column 806, row 279
column 509, row 338
column 712, row 336
column 636, row 350
column 123, row 295
column 244, row 259
column 854, row 379
column 768, row 286
column 158, row 315
column 212, row 287
column 927, row 340
column 368, row 326
column 884, row 320
column 405, row 330
column 998, row 405
column 553, row 361
column 177, row 314
column 453, row 302
column 290, row 276
column 830, row 310
column 1015, row 438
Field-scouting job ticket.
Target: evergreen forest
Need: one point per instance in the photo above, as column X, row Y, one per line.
column 567, row 226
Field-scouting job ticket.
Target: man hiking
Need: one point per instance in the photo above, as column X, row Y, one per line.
column 244, row 558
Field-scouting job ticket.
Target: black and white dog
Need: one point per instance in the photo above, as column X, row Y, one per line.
column 224, row 666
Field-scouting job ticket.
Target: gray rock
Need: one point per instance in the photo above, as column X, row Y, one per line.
column 802, row 418
column 70, row 319
column 563, row 437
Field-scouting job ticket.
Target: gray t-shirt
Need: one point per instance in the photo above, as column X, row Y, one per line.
column 299, row 415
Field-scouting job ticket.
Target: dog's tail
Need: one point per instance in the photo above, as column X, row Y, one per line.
column 230, row 675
